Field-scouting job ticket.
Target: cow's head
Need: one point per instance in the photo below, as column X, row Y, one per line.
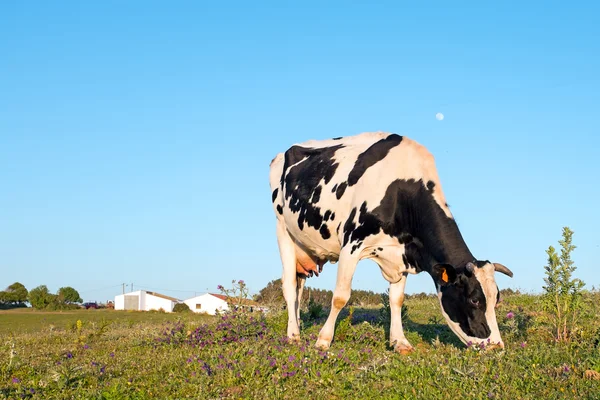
column 468, row 297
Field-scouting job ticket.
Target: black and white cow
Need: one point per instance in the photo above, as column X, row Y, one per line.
column 377, row 196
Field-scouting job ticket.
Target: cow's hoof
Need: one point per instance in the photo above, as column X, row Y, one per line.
column 322, row 344
column 294, row 339
column 404, row 349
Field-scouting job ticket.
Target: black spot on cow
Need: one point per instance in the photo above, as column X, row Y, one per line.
column 380, row 248
column 430, row 185
column 371, row 156
column 327, row 215
column 316, row 195
column 274, row 195
column 368, row 224
column 355, row 247
column 332, row 216
column 340, row 190
column 279, row 209
column 304, row 170
column 325, row 234
column 349, row 226
column 334, row 188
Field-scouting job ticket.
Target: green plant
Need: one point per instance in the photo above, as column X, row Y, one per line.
column 342, row 332
column 314, row 312
column 181, row 308
column 238, row 293
column 562, row 293
column 68, row 295
column 40, row 297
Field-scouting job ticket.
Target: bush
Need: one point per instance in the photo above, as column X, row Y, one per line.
column 40, row 297
column 562, row 293
column 181, row 308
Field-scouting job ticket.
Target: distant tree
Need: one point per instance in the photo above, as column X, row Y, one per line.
column 562, row 292
column 68, row 295
column 16, row 293
column 40, row 297
column 271, row 294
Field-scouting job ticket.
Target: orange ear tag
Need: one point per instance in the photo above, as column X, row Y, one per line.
column 444, row 276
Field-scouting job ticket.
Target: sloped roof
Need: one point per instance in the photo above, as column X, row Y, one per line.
column 162, row 296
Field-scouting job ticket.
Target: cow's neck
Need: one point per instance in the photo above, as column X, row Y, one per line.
column 439, row 237
column 445, row 244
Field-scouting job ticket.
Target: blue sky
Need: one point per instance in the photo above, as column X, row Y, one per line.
column 135, row 137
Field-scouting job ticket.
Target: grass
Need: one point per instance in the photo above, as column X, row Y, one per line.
column 133, row 355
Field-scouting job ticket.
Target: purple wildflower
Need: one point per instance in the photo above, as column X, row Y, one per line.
column 32, row 390
column 69, row 355
column 272, row 363
column 112, row 354
column 86, row 347
column 291, row 358
column 523, row 344
column 16, row 380
column 220, row 287
column 469, row 343
column 102, row 369
column 566, row 368
column 240, row 282
column 510, row 315
column 94, row 364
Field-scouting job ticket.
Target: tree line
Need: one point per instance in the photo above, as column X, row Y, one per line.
column 17, row 295
column 272, row 294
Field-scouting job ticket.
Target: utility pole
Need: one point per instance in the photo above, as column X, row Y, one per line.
column 123, row 288
column 132, row 287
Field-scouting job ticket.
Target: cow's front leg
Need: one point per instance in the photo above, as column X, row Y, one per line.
column 341, row 295
column 397, row 338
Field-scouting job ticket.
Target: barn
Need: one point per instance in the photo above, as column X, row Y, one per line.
column 143, row 300
column 208, row 303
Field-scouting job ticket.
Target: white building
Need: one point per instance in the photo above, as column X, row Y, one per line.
column 143, row 300
column 208, row 303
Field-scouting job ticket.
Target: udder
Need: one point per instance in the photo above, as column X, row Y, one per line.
column 307, row 265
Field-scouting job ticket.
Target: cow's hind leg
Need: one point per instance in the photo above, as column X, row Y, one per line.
column 288, row 279
column 397, row 338
column 341, row 295
column 301, row 280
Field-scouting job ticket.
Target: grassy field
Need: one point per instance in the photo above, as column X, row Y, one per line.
column 100, row 354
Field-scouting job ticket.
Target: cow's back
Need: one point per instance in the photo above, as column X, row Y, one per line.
column 316, row 184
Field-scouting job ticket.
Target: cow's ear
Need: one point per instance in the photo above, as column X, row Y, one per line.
column 444, row 273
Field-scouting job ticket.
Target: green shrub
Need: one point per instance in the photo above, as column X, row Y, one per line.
column 181, row 308
column 562, row 294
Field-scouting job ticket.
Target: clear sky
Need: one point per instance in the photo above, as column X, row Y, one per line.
column 136, row 137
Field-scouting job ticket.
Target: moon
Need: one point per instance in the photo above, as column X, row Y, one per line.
column 439, row 116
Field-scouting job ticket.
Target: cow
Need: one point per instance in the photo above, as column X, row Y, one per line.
column 377, row 196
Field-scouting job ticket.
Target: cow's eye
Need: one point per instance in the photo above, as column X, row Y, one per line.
column 474, row 302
